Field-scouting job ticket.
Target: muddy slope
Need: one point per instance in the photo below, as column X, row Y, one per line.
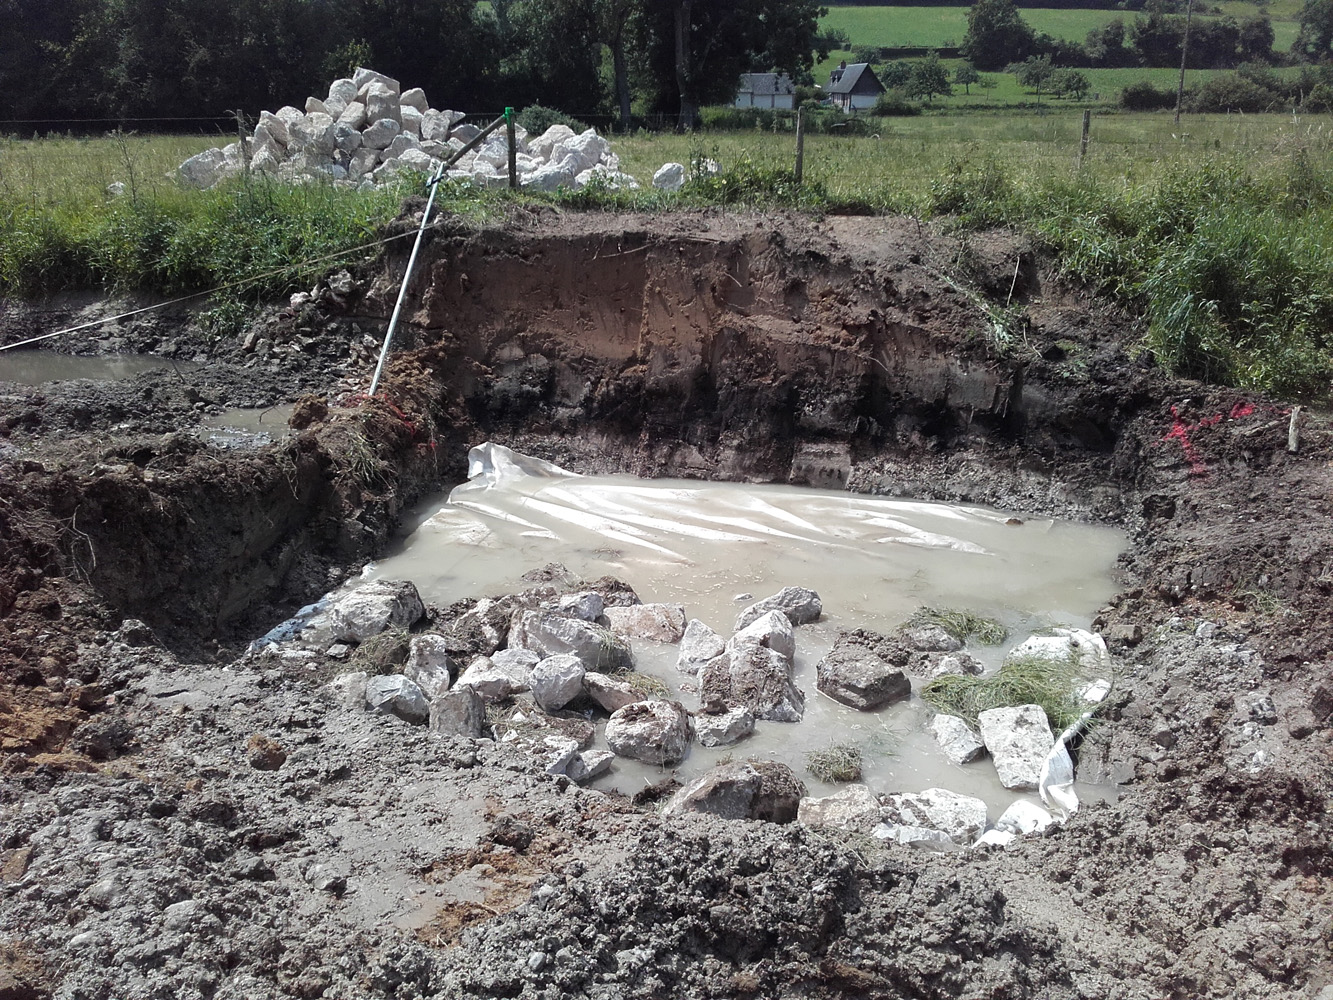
column 858, row 352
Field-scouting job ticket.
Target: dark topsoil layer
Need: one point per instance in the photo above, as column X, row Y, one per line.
column 854, row 352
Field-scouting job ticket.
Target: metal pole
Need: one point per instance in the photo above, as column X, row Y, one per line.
column 1083, row 144
column 1184, row 55
column 800, row 145
column 416, row 246
column 513, row 150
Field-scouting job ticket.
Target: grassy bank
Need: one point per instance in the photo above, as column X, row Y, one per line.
column 1219, row 230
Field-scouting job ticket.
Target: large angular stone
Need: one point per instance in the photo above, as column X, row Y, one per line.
column 956, row 738
column 381, row 103
column 725, row 729
column 401, row 144
column 655, row 732
column 654, row 622
column 556, row 681
column 353, row 116
column 959, row 817
column 1018, row 738
column 275, row 126
column 548, row 633
column 202, row 170
column 931, row 639
column 611, row 693
column 494, row 682
column 586, row 605
column 855, row 807
column 754, row 672
column 287, row 115
column 698, row 645
column 414, row 99
column 429, row 664
column 313, row 105
column 856, row 675
column 313, row 134
column 764, row 790
column 341, row 93
column 382, row 134
column 346, row 138
column 801, row 606
column 460, row 712
column 360, row 163
column 932, row 665
column 589, row 764
column 544, row 143
column 549, row 178
column 436, row 125
column 394, row 694
column 369, row 610
column 669, row 177
column 1083, row 648
column 1024, row 817
column 772, row 629
column 411, row 121
column 363, row 78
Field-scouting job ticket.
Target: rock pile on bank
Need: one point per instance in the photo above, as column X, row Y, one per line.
column 368, row 129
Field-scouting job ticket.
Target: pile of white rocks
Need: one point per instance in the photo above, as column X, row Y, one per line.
column 368, row 129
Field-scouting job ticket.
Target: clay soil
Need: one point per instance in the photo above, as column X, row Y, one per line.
column 147, row 850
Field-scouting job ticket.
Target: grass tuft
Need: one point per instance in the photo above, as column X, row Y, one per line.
column 1025, row 681
column 381, row 654
column 962, row 625
column 835, row 763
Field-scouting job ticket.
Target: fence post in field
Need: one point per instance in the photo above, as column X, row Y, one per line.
column 800, row 145
column 241, row 137
column 513, row 149
column 1083, row 143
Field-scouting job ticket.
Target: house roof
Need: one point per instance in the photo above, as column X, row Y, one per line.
column 857, row 78
column 763, row 84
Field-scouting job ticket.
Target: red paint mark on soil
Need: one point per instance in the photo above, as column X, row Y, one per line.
column 1180, row 431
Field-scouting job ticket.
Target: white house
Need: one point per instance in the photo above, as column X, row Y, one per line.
column 766, row 90
column 855, row 86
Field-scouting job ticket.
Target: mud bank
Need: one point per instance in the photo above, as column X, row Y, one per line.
column 846, row 352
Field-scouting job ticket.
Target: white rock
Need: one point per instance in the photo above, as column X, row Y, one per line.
column 363, row 77
column 518, row 662
column 723, row 730
column 994, row 838
column 264, row 139
column 611, row 693
column 353, row 116
column 362, row 162
column 755, row 672
column 381, row 102
column 341, row 93
column 801, row 606
column 548, row 178
column 411, row 119
column 1023, row 817
column 400, row 145
column 417, row 159
column 956, row 738
column 931, row 639
column 855, row 807
column 381, row 134
column 589, row 764
column 429, row 664
column 586, row 605
column 275, row 127
column 493, row 682
column 116, row 189
column 395, row 694
column 555, row 754
column 435, row 125
column 349, row 690
column 669, row 177
column 313, row 134
column 961, row 818
column 202, row 170
column 698, row 645
column 415, row 99
column 773, row 630
column 544, row 143
column 548, row 633
column 1086, row 649
column 912, row 836
column 653, row 622
column 369, row 610
column 556, row 681
column 465, row 132
column 460, row 712
column 494, row 151
column 854, row 673
column 313, row 105
column 655, row 732
column 287, row 115
column 1018, row 738
column 346, row 138
column 579, row 152
column 614, row 180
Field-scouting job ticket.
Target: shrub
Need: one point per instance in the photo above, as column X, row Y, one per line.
column 894, row 103
column 1143, row 96
column 1234, row 92
column 537, row 119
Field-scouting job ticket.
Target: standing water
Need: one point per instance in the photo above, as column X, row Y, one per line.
column 716, row 547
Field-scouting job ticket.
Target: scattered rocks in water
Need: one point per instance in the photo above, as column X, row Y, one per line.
column 956, row 738
column 547, row 634
column 755, row 672
column 611, row 693
column 556, row 681
column 730, row 727
column 961, row 818
column 394, row 694
column 494, row 681
column 370, row 610
column 855, row 807
column 762, row 790
column 429, row 664
column 460, row 712
column 654, row 622
column 801, row 606
column 698, row 646
column 655, row 732
column 855, row 674
column 1018, row 739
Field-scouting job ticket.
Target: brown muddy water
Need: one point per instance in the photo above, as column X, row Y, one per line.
column 37, row 367
column 716, row 547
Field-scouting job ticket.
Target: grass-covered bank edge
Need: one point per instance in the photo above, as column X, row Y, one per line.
column 1225, row 256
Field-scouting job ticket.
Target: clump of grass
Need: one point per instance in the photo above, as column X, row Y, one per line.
column 646, row 685
column 837, row 762
column 1028, row 680
column 381, row 654
column 960, row 624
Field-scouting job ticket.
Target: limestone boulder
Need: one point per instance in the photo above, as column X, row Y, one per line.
column 549, row 178
column 698, row 646
column 772, row 629
column 382, row 134
column 723, row 730
column 556, row 681
column 341, row 93
column 542, row 145
column 359, row 164
column 402, row 142
column 313, row 105
column 287, row 115
column 763, row 790
column 202, row 170
column 275, row 127
column 937, row 664
column 586, row 605
column 394, row 694
column 1024, row 817
column 930, row 639
column 801, row 606
column 411, row 121
column 460, row 712
column 429, row 664
column 363, row 78
column 961, row 818
column 1018, row 739
column 589, row 764
column 369, row 610
column 856, row 675
column 313, row 135
column 613, row 180
column 465, row 132
column 436, row 125
column 414, row 99
column 611, row 693
column 419, row 159
column 353, row 116
column 547, row 633
column 492, row 681
column 669, row 177
column 956, row 738
column 655, row 732
column 755, row 672
column 855, row 807
column 653, row 622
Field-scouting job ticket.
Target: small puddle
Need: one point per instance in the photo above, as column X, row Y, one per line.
column 873, row 561
column 247, row 428
column 37, row 367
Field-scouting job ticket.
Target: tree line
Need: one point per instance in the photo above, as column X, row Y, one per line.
column 69, row 60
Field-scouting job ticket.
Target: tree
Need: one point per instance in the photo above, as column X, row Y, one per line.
column 929, row 77
column 1033, row 72
column 1105, row 46
column 1256, row 39
column 1314, row 39
column 965, row 75
column 1070, row 83
column 996, row 35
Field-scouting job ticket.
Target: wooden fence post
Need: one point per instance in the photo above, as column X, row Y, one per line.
column 513, row 149
column 1083, row 143
column 800, row 145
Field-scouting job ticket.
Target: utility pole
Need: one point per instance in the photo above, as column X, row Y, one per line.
column 1184, row 55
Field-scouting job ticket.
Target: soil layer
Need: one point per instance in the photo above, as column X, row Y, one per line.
column 145, row 853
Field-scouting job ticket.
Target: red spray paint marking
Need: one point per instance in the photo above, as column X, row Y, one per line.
column 1180, row 431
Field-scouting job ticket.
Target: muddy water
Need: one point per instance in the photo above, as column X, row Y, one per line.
column 247, row 428
column 707, row 545
column 35, row 367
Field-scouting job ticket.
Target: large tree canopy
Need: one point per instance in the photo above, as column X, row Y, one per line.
column 996, row 35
